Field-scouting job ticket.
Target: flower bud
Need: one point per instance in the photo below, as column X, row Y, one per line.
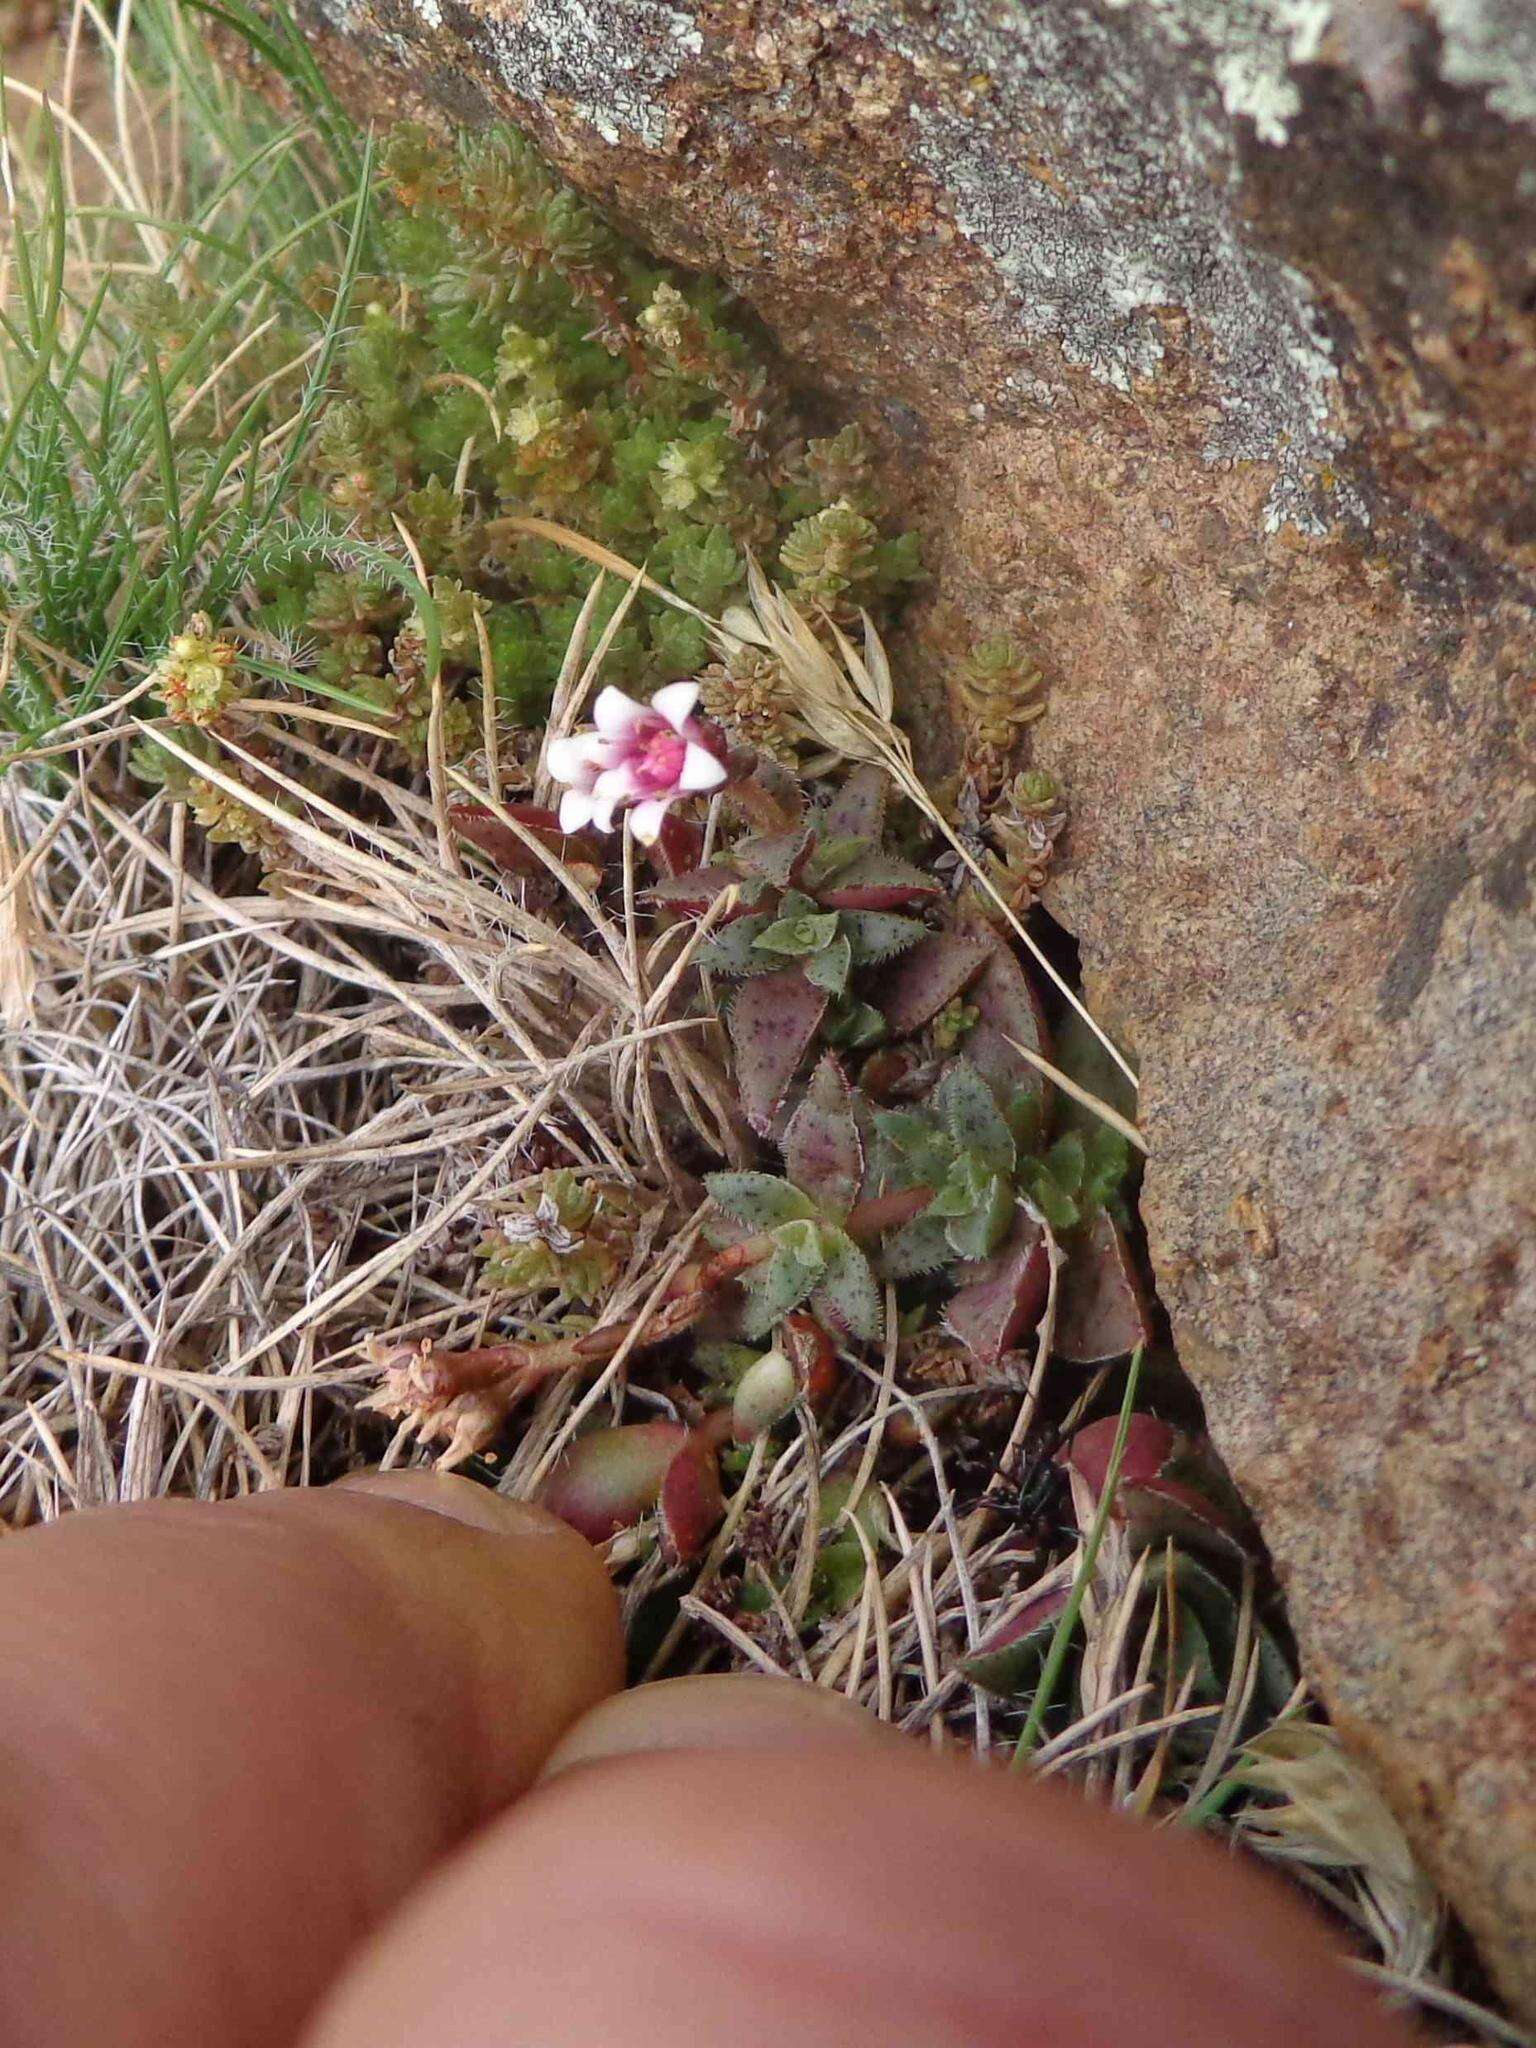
column 765, row 1393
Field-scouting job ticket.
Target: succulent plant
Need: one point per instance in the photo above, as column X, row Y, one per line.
column 805, row 1212
column 610, row 1479
column 962, row 1148
column 196, row 676
column 1071, row 1179
column 568, row 1236
column 817, row 902
column 1170, row 1484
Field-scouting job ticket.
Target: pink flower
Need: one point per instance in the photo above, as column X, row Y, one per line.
column 644, row 755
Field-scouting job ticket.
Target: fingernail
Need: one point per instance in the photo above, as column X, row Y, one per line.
column 720, row 1711
column 460, row 1500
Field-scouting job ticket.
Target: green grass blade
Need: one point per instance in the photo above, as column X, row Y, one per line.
column 1061, row 1641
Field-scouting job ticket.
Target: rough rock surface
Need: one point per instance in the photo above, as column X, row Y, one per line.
column 1204, row 332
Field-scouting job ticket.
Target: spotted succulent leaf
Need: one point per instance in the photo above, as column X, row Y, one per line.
column 759, row 1200
column 877, row 935
column 733, row 950
column 848, row 1293
column 970, row 1114
column 879, row 881
column 830, row 968
column 773, row 1020
column 921, row 1246
column 936, row 970
column 857, row 811
column 777, row 856
column 823, row 1154
column 780, row 1284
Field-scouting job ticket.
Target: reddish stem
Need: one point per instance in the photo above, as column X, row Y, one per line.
column 443, row 1375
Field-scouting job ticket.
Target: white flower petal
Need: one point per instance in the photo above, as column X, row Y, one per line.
column 616, row 784
column 645, row 819
column 577, row 758
column 701, row 770
column 615, row 715
column 602, row 813
column 576, row 810
column 675, row 702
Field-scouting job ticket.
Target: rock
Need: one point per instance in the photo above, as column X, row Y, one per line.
column 1203, row 339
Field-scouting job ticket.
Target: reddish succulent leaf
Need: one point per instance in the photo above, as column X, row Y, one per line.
column 1153, row 1498
column 878, row 881
column 692, row 893
column 858, row 809
column 1149, row 1444
column 481, row 827
column 606, row 1481
column 692, row 1499
column 679, row 847
column 1003, row 1295
column 923, row 980
column 889, row 1073
column 773, row 1019
column 822, row 1153
column 1010, row 1010
column 1103, row 1311
column 813, row 1355
column 1007, row 1662
column 1167, row 1508
column 768, row 791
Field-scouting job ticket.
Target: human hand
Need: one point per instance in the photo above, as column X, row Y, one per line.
column 266, row 1784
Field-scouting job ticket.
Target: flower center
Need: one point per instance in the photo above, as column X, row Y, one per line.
column 657, row 758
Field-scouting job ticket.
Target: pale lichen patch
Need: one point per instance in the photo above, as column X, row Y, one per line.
column 1491, row 45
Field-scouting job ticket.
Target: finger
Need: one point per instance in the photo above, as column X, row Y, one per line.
column 234, row 1735
column 820, row 1889
column 716, row 1711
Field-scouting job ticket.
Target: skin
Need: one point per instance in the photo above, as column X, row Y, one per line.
column 350, row 1770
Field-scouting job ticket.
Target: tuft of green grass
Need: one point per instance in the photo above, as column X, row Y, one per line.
column 162, row 375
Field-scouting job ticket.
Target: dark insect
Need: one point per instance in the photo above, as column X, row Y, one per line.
column 1035, row 1497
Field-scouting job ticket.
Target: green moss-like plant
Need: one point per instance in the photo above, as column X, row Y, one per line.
column 516, row 358
column 319, row 417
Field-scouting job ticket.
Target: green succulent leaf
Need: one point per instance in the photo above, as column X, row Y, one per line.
column 804, row 1238
column 775, row 856
column 829, row 968
column 917, row 1153
column 904, row 1131
column 880, row 934
column 759, row 1200
column 1067, row 1161
column 855, row 1025
column 831, row 857
column 733, row 949
column 847, row 1291
column 780, row 1284
column 796, row 937
column 1107, row 1164
column 982, row 1228
column 971, row 1116
column 921, row 1246
column 1054, row 1203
